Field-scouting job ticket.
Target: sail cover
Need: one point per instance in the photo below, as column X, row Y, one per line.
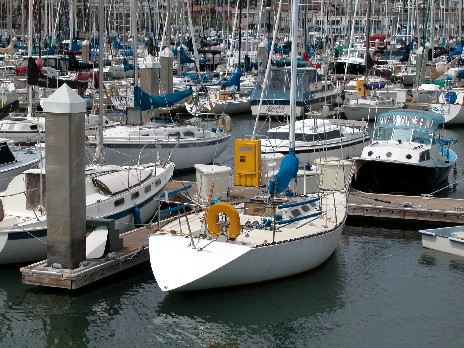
column 112, row 183
column 234, row 79
column 148, row 102
column 287, row 171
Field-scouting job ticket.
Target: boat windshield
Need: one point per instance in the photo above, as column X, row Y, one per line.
column 403, row 135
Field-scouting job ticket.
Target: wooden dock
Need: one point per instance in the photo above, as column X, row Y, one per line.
column 133, row 252
column 361, row 206
column 414, row 209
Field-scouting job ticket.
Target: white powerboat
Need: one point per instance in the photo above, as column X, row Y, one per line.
column 446, row 239
column 408, row 154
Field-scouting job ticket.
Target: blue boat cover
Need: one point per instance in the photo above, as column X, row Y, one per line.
column 234, row 79
column 148, row 102
column 184, row 58
column 127, row 66
column 287, row 171
column 375, row 85
column 457, row 51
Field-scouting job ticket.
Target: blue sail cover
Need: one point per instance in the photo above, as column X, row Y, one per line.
column 184, row 58
column 148, row 102
column 457, row 51
column 287, row 171
column 126, row 65
column 234, row 79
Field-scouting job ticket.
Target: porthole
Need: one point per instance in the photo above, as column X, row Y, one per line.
column 119, row 202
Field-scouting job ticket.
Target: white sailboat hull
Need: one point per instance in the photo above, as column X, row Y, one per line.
column 366, row 112
column 228, row 264
column 453, row 113
column 26, row 241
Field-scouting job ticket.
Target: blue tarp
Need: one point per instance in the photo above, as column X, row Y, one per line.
column 287, row 171
column 148, row 102
column 234, row 79
column 375, row 85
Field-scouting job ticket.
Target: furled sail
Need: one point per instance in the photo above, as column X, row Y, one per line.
column 148, row 102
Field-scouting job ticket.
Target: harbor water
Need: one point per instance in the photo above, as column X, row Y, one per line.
column 379, row 289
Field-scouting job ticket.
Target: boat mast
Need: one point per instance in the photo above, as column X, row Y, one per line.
column 368, row 41
column 29, row 54
column 293, row 72
column 101, row 22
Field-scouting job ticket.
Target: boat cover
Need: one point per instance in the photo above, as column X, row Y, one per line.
column 148, row 102
column 112, row 183
column 234, row 79
column 287, row 171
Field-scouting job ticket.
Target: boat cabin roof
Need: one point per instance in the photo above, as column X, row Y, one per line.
column 415, row 119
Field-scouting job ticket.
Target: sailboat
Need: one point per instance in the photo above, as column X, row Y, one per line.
column 275, row 235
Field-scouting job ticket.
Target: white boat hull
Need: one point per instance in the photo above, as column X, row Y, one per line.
column 446, row 239
column 184, row 154
column 26, row 242
column 222, row 265
column 362, row 112
column 453, row 113
column 232, row 107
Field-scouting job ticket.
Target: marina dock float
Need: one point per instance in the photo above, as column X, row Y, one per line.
column 427, row 210
column 134, row 251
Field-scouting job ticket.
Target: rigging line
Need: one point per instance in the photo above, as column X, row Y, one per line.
column 359, row 194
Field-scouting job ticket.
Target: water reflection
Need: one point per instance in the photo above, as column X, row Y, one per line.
column 271, row 302
column 434, row 258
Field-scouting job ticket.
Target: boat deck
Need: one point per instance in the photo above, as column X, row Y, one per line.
column 256, row 232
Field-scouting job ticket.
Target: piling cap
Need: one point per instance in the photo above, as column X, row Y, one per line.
column 64, row 101
column 150, row 62
column 167, row 53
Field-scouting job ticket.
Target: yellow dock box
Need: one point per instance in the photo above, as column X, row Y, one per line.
column 360, row 88
column 247, row 164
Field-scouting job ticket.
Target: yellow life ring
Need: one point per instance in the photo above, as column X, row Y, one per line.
column 232, row 213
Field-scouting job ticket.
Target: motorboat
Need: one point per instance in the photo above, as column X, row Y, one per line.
column 312, row 92
column 408, row 153
column 367, row 108
column 446, row 239
column 128, row 195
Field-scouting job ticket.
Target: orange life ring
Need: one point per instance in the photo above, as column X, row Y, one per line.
column 232, row 213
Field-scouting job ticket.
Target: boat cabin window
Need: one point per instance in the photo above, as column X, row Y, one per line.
column 403, row 135
column 424, row 156
column 333, row 134
column 147, row 188
column 135, row 195
column 119, row 202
